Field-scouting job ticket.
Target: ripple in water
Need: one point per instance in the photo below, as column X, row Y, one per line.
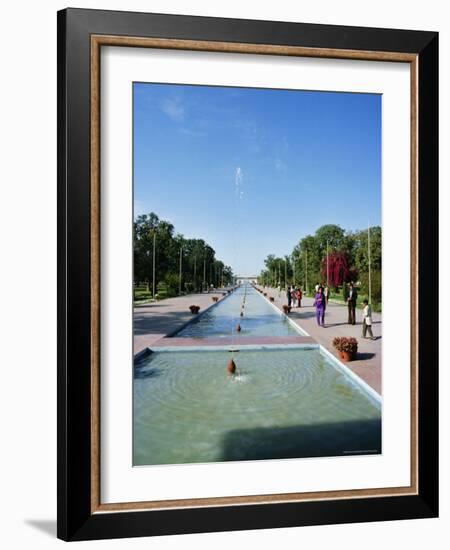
column 281, row 404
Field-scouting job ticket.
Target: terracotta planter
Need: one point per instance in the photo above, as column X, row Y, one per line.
column 231, row 367
column 194, row 309
column 346, row 356
column 272, row 299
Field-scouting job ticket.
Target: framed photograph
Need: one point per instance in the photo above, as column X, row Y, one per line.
column 247, row 251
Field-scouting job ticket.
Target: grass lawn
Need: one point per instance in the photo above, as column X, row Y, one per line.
column 142, row 296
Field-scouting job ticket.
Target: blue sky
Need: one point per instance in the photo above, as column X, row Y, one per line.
column 252, row 171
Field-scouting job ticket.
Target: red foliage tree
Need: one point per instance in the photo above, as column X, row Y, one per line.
column 338, row 269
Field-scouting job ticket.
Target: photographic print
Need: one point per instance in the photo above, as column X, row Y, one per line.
column 257, row 261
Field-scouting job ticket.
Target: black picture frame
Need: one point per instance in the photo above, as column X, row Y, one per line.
column 75, row 518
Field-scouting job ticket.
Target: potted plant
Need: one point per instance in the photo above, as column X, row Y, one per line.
column 194, row 309
column 287, row 309
column 215, row 298
column 272, row 299
column 346, row 346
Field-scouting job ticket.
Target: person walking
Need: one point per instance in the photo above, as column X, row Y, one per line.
column 351, row 303
column 367, row 320
column 293, row 296
column 299, row 297
column 326, row 291
column 288, row 296
column 320, row 303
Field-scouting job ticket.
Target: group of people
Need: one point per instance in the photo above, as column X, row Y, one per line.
column 294, row 296
column 322, row 294
column 321, row 297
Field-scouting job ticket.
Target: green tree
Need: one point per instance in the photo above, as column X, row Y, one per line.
column 333, row 234
column 361, row 252
column 199, row 264
column 309, row 256
column 146, row 228
column 375, row 286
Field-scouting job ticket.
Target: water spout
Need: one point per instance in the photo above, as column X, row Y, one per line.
column 231, row 367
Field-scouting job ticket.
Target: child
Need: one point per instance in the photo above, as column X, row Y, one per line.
column 367, row 320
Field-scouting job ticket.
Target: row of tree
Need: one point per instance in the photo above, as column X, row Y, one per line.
column 331, row 255
column 170, row 263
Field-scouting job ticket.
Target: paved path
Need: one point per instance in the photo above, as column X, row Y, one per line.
column 368, row 362
column 158, row 319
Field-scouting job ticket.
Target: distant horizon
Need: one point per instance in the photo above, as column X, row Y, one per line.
column 252, row 171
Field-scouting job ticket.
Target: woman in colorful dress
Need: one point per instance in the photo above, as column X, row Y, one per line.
column 320, row 303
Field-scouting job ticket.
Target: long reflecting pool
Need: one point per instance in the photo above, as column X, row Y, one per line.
column 282, row 402
column 259, row 318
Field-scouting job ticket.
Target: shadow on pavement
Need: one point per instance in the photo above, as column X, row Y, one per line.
column 301, row 315
column 364, row 356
